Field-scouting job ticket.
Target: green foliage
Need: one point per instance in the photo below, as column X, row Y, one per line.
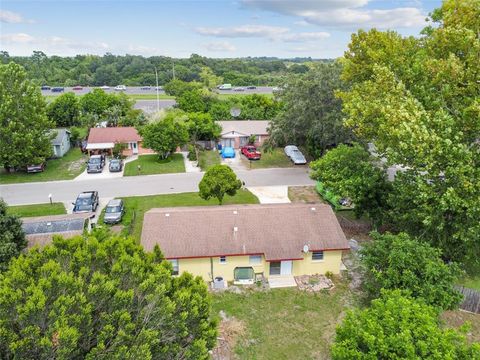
column 311, row 113
column 64, row 111
column 209, row 79
column 24, row 126
column 178, row 87
column 417, row 101
column 399, row 262
column 12, row 237
column 164, row 136
column 118, row 148
column 202, row 127
column 218, row 181
column 192, row 101
column 101, row 297
column 399, row 327
column 349, row 171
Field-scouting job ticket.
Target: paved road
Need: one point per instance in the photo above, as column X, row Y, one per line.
column 137, row 90
column 66, row 191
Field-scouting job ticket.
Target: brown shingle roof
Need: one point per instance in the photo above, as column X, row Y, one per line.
column 113, row 135
column 279, row 231
column 245, row 127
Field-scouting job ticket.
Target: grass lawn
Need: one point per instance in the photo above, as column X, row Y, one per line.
column 234, row 94
column 69, row 166
column 37, row 210
column 208, row 158
column 150, row 97
column 152, row 164
column 471, row 282
column 284, row 323
column 275, row 158
column 304, row 195
column 140, row 204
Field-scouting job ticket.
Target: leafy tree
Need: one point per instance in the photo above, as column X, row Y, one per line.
column 311, row 113
column 191, row 101
column 209, row 79
column 12, row 237
column 399, row 327
column 64, row 110
column 24, row 126
column 350, row 171
column 178, row 87
column 201, row 127
column 101, row 297
column 218, row 181
column 400, row 262
column 95, row 102
column 417, row 101
column 164, row 136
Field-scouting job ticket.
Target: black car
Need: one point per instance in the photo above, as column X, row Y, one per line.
column 87, row 201
column 95, row 164
column 251, row 87
column 115, row 165
column 45, row 87
column 57, row 89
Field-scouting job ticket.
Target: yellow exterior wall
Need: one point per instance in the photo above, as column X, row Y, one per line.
column 201, row 266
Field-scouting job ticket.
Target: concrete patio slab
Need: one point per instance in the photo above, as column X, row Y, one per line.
column 270, row 194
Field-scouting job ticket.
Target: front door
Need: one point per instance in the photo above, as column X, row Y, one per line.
column 286, row 267
column 134, row 148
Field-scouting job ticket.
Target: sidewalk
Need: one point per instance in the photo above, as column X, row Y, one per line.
column 190, row 166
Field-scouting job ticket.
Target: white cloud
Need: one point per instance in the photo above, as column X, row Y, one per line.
column 244, row 31
column 220, row 46
column 343, row 14
column 11, row 17
column 305, row 36
column 301, row 23
column 19, row 38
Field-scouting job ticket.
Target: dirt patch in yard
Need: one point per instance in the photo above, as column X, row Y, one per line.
column 304, row 195
column 230, row 330
column 75, row 166
column 456, row 318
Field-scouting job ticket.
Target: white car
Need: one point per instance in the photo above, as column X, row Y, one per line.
column 289, row 149
column 105, row 87
column 120, row 88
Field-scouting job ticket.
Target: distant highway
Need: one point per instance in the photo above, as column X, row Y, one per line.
column 150, row 106
column 137, row 90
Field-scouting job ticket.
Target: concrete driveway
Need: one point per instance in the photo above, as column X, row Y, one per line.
column 235, row 163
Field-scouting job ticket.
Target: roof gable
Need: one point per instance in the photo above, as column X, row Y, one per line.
column 244, row 127
column 113, row 135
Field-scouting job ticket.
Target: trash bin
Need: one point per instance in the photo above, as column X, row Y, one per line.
column 218, row 283
column 219, row 147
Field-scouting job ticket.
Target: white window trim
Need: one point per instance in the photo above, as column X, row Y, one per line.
column 255, row 263
column 318, row 261
column 220, row 260
column 173, row 267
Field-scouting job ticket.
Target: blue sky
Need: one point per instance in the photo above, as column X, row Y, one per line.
column 219, row 28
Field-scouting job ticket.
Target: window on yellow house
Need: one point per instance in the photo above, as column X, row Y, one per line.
column 174, row 263
column 317, row 255
column 223, row 259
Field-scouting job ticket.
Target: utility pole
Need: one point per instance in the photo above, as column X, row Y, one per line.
column 158, row 98
column 173, row 66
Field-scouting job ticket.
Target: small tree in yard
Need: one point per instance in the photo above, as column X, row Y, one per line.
column 399, row 262
column 12, row 237
column 165, row 136
column 201, row 127
column 218, row 181
column 399, row 327
column 102, row 298
column 64, row 110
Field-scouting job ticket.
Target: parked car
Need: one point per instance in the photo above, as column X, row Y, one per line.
column 36, row 168
column 288, row 150
column 251, row 87
column 114, row 211
column 228, row 152
column 77, row 88
column 250, row 152
column 298, row 158
column 87, row 201
column 57, row 89
column 95, row 164
column 146, row 88
column 83, row 146
column 238, row 89
column 105, row 87
column 157, row 88
column 120, row 88
column 115, row 165
column 45, row 87
column 225, row 87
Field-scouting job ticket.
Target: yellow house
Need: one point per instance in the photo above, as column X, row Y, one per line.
column 244, row 242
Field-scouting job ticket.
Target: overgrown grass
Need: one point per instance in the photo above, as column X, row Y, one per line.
column 208, row 158
column 37, row 210
column 136, row 206
column 285, row 323
column 275, row 158
column 471, row 282
column 67, row 167
column 152, row 164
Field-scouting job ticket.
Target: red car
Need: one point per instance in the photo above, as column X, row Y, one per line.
column 251, row 152
column 77, row 88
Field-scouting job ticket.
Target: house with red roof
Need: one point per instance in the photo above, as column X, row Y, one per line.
column 102, row 140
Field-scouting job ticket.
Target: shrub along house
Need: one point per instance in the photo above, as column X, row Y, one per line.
column 103, row 139
column 236, row 133
column 243, row 243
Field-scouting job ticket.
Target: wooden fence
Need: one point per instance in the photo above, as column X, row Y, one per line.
column 471, row 299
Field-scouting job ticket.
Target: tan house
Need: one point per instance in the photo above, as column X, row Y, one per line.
column 245, row 242
column 102, row 140
column 236, row 133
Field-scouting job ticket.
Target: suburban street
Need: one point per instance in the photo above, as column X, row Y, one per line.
column 67, row 191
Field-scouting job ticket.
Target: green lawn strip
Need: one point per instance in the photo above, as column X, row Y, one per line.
column 152, row 164
column 150, row 97
column 471, row 282
column 234, row 94
column 37, row 210
column 140, row 204
column 67, row 167
column 208, row 158
column 275, row 158
column 284, row 323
